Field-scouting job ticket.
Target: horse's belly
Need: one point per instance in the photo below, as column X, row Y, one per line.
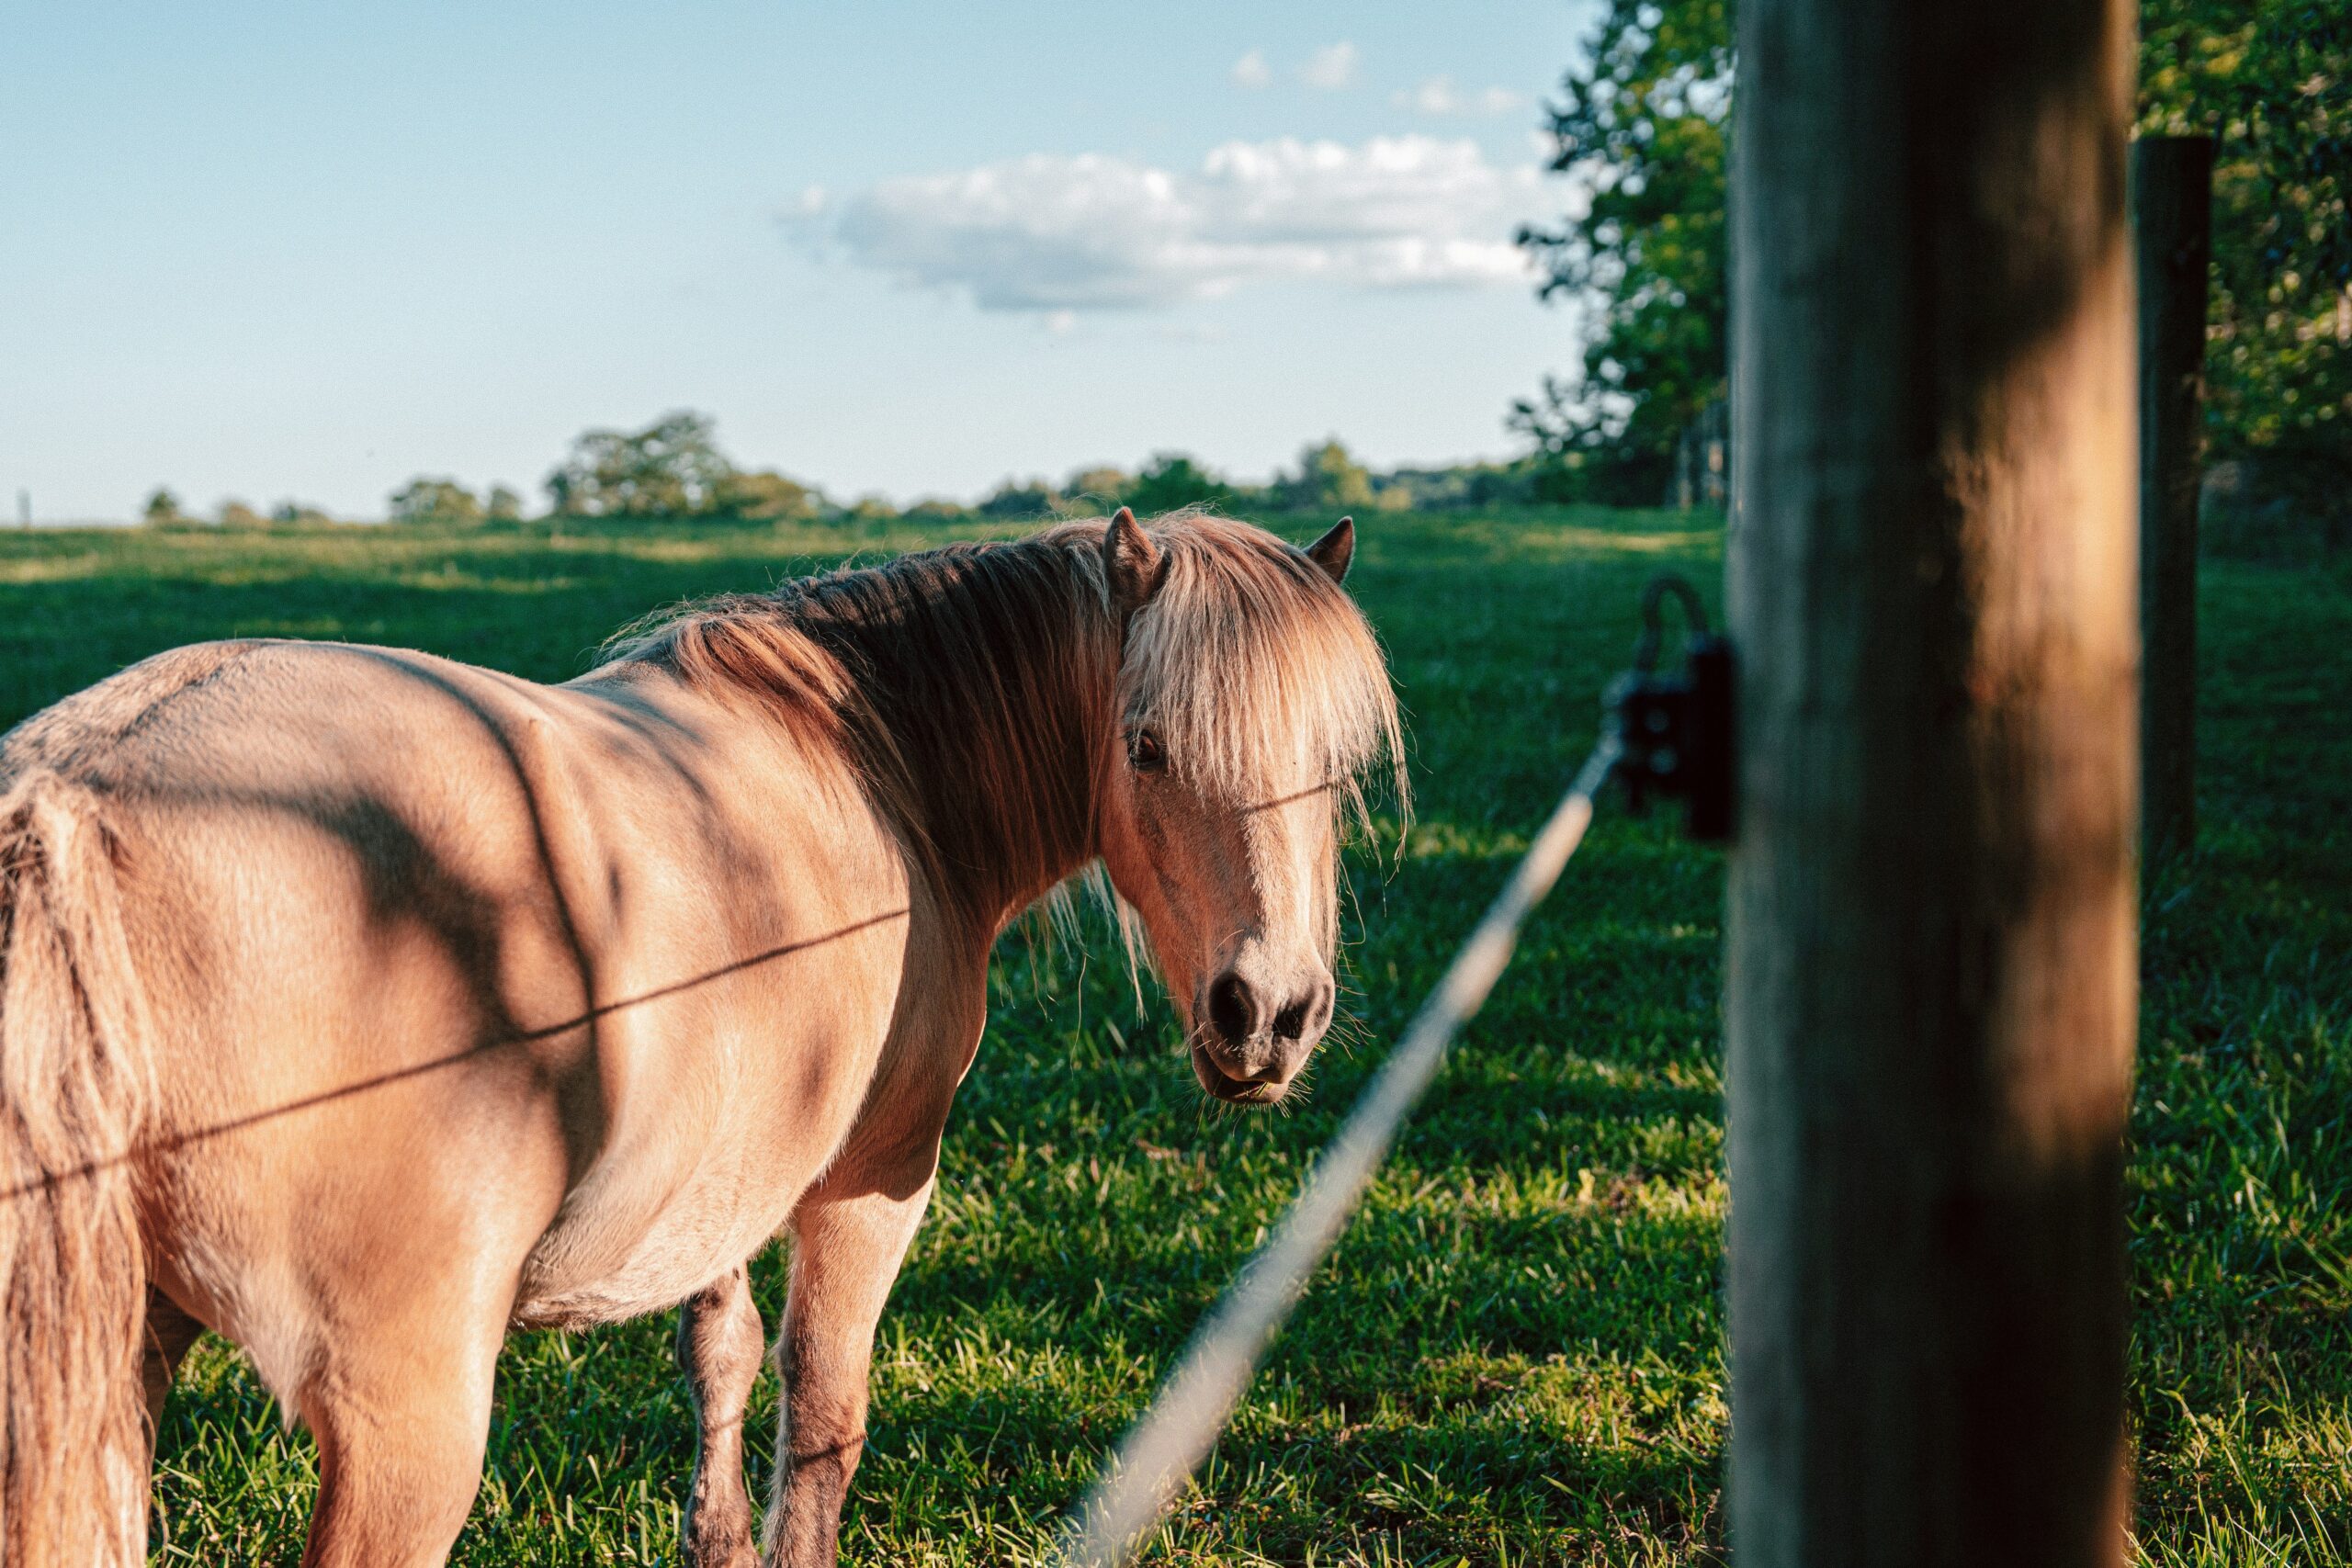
column 691, row 1241
column 717, row 1139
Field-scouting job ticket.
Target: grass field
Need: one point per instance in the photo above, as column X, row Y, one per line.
column 1516, row 1356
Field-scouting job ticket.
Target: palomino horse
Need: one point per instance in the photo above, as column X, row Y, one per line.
column 359, row 1004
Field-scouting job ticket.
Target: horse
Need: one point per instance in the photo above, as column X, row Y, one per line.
column 358, row 1005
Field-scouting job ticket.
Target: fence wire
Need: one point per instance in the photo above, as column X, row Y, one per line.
column 1164, row 1448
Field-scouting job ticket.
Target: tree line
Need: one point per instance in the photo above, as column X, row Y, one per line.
column 675, row 468
column 1643, row 123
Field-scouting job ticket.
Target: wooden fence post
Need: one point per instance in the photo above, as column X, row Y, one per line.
column 2171, row 184
column 1930, row 992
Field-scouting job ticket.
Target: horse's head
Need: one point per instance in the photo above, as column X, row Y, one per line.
column 1250, row 696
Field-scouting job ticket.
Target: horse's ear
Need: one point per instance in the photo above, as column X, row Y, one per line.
column 1131, row 564
column 1335, row 550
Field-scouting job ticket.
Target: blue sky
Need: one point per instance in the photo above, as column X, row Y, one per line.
column 301, row 251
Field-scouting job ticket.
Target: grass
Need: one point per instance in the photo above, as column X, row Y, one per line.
column 1515, row 1358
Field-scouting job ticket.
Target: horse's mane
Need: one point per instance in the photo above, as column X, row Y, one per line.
column 969, row 687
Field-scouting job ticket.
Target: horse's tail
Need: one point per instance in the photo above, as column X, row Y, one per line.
column 76, row 1065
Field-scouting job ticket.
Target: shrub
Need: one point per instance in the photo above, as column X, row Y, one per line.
column 670, row 468
column 1173, row 480
column 430, row 499
column 767, row 496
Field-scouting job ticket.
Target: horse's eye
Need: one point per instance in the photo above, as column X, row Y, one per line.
column 1144, row 751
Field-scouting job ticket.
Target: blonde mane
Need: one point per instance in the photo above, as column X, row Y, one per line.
column 970, row 687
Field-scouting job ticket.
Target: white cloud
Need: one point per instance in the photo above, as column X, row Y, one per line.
column 1330, row 68
column 1251, row 70
column 1055, row 234
column 1438, row 95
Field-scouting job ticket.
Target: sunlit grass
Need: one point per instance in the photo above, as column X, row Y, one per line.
column 1515, row 1358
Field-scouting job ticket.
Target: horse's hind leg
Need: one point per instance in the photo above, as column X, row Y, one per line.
column 719, row 1347
column 401, row 1416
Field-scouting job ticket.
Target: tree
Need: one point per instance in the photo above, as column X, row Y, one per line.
column 1105, row 488
column 162, row 508
column 2271, row 82
column 429, row 500
column 1034, row 499
column 298, row 513
column 237, row 515
column 765, row 495
column 1461, row 485
column 670, row 468
column 1328, row 479
column 1641, row 125
column 502, row 505
column 1173, row 480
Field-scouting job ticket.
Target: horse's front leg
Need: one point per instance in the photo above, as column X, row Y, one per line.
column 720, row 1345
column 845, row 1254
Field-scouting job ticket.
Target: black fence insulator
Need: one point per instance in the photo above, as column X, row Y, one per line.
column 1675, row 730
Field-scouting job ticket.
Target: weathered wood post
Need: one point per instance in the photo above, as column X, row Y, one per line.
column 2172, row 199
column 1930, row 992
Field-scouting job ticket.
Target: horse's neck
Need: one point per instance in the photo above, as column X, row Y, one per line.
column 998, row 713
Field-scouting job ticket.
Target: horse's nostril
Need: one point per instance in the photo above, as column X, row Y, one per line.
column 1233, row 1007
column 1306, row 1014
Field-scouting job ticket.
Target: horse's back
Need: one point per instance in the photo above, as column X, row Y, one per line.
column 301, row 822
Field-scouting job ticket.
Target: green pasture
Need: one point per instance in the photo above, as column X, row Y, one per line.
column 1515, row 1357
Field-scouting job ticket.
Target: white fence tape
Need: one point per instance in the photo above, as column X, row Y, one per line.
column 1164, row 1449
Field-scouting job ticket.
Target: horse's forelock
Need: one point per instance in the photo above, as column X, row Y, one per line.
column 1259, row 675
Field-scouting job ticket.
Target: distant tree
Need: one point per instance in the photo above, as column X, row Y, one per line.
column 164, row 508
column 932, row 509
column 872, row 512
column 1328, row 477
column 502, row 505
column 237, row 515
column 1034, row 499
column 764, row 495
column 1173, row 480
column 1642, row 121
column 430, row 499
column 670, row 468
column 1105, row 488
column 1461, row 485
column 298, row 513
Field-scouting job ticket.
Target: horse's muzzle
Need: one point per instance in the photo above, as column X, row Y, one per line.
column 1234, row 1091
column 1259, row 1077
